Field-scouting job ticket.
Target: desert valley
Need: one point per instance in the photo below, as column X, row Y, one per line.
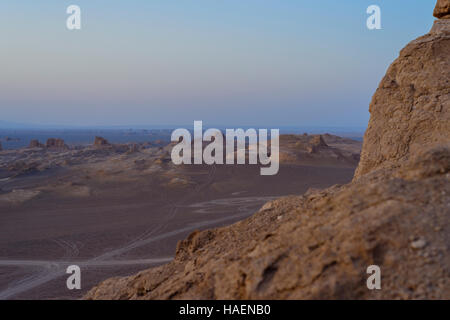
column 81, row 189
column 114, row 209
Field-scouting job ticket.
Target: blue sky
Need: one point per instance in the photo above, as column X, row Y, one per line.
column 227, row 62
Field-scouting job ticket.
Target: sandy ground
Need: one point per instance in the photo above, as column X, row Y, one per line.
column 114, row 222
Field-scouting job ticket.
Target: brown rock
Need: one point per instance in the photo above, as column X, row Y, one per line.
column 54, row 143
column 318, row 141
column 99, row 141
column 442, row 9
column 315, row 144
column 35, row 144
column 411, row 107
column 426, row 164
column 132, row 148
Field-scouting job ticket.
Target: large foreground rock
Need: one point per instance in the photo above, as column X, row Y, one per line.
column 411, row 107
column 395, row 214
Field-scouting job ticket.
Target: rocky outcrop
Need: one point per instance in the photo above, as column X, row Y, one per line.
column 411, row 107
column 133, row 148
column 35, row 144
column 55, row 143
column 99, row 141
column 316, row 143
column 442, row 9
column 395, row 214
column 1, row 146
column 325, row 149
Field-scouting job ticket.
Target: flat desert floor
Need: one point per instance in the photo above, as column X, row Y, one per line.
column 114, row 212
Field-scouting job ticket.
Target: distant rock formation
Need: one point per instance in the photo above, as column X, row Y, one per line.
column 395, row 214
column 315, row 143
column 55, row 143
column 442, row 9
column 318, row 141
column 99, row 141
column 133, row 147
column 1, row 146
column 35, row 144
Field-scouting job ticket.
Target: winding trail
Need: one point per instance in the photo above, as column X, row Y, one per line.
column 51, row 270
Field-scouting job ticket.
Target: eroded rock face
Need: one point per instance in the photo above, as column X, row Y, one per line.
column 132, row 148
column 318, row 141
column 35, row 144
column 442, row 9
column 411, row 107
column 55, row 143
column 395, row 214
column 315, row 143
column 99, row 141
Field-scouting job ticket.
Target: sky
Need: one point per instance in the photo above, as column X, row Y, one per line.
column 264, row 63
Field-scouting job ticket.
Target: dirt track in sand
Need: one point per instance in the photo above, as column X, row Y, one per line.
column 127, row 224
